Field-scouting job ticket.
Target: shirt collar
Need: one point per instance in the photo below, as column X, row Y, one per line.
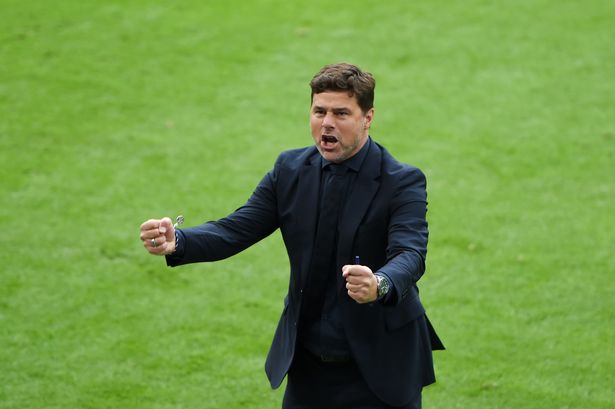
column 354, row 162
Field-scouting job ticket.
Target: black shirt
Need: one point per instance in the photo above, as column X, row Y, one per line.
column 325, row 336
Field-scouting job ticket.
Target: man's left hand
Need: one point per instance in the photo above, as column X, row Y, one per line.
column 361, row 283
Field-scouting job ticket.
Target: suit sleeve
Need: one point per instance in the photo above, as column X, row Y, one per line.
column 407, row 234
column 220, row 239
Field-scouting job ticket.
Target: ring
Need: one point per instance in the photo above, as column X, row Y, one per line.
column 154, row 244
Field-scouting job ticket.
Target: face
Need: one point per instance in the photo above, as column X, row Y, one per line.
column 339, row 126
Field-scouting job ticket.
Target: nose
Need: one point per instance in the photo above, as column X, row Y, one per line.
column 327, row 121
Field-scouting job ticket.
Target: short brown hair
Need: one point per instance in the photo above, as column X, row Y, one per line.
column 346, row 77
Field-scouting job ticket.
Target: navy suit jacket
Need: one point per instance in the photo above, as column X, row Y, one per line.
column 383, row 222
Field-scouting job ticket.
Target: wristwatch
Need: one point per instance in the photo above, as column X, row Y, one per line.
column 383, row 285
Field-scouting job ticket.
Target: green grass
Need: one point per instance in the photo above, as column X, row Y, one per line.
column 111, row 113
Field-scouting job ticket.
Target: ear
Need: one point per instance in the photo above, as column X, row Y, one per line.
column 368, row 118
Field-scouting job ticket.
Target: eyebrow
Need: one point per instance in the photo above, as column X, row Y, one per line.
column 335, row 109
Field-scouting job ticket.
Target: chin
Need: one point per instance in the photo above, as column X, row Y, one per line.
column 331, row 156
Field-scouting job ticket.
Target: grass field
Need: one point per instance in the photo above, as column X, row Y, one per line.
column 114, row 112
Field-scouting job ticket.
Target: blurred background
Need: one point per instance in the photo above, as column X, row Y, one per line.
column 114, row 112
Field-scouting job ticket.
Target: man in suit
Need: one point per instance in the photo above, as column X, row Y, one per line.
column 353, row 332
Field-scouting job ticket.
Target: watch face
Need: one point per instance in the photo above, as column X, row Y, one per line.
column 383, row 286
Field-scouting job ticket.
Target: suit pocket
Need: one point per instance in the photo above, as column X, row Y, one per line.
column 400, row 315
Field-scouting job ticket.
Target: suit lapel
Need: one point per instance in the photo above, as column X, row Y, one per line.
column 359, row 199
column 307, row 206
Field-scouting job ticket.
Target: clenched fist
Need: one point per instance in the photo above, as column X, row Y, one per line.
column 361, row 283
column 158, row 236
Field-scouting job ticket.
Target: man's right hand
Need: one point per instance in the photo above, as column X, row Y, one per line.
column 158, row 236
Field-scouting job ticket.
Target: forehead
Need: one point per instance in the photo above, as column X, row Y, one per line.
column 335, row 99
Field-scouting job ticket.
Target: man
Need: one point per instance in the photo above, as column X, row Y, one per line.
column 353, row 332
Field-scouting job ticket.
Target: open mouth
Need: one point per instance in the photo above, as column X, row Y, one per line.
column 328, row 141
